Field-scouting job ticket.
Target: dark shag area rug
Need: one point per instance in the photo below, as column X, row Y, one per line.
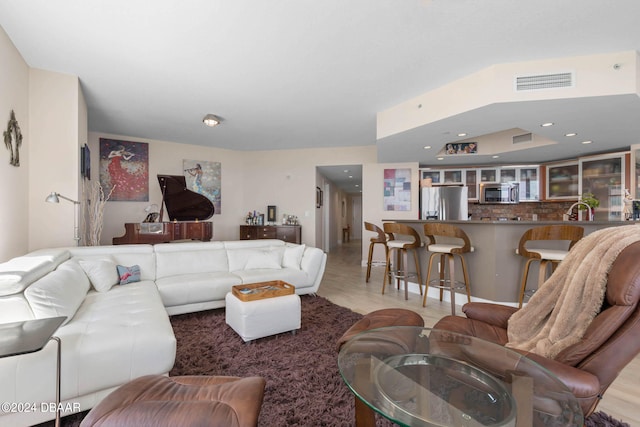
column 304, row 387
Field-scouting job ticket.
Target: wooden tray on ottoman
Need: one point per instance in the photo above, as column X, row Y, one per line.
column 262, row 290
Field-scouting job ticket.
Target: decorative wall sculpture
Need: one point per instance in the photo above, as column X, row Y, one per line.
column 13, row 139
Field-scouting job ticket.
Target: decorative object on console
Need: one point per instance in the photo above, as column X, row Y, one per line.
column 271, row 214
column 94, row 212
column 205, row 178
column 13, row 139
column 55, row 198
column 124, row 168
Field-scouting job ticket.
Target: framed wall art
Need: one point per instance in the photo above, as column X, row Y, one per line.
column 124, row 167
column 205, row 178
column 85, row 162
column 397, row 190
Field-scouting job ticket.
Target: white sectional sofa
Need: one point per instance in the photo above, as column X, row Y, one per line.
column 115, row 333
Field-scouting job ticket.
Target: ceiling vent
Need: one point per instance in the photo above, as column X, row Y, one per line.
column 543, row 81
column 518, row 139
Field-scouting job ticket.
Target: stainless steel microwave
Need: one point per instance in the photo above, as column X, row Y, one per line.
column 500, row 193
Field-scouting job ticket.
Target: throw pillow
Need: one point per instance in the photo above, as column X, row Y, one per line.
column 263, row 259
column 293, row 256
column 101, row 272
column 128, row 274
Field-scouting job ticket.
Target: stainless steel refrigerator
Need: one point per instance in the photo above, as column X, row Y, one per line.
column 444, row 203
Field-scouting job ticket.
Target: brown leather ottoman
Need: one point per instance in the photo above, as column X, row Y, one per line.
column 156, row 400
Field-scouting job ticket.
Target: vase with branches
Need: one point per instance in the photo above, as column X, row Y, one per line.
column 95, row 199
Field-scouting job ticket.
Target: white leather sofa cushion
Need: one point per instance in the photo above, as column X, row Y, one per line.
column 18, row 273
column 253, row 258
column 59, row 293
column 194, row 288
column 176, row 259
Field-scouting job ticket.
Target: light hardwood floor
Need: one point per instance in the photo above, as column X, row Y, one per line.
column 344, row 284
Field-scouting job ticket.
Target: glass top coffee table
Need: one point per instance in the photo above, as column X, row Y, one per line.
column 426, row 377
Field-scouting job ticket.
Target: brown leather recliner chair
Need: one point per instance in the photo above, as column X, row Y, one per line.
column 609, row 344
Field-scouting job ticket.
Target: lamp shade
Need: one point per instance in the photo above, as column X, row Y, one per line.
column 52, row 198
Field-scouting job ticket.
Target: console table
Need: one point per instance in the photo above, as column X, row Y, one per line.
column 288, row 233
column 417, row 376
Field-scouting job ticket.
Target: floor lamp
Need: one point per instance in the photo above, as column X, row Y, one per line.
column 55, row 198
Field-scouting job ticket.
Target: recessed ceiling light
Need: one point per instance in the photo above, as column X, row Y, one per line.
column 357, row 185
column 495, row 157
column 440, row 158
column 587, row 142
column 211, row 120
column 346, row 171
column 570, row 134
column 350, row 176
column 427, row 147
column 462, row 134
column 546, row 125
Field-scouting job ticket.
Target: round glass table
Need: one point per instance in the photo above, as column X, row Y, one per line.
column 426, row 377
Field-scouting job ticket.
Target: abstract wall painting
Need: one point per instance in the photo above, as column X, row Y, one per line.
column 205, row 178
column 397, row 189
column 124, row 166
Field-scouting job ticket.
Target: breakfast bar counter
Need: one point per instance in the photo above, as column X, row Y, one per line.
column 495, row 269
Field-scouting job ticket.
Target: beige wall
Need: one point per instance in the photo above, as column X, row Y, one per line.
column 372, row 202
column 250, row 181
column 54, row 152
column 14, row 205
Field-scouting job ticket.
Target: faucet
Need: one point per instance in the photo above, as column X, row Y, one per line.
column 579, row 203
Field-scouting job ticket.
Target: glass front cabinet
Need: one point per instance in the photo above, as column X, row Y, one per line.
column 563, row 181
column 604, row 177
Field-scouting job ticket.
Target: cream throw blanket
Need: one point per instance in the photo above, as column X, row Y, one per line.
column 558, row 314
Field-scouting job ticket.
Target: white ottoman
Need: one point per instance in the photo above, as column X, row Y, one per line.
column 261, row 318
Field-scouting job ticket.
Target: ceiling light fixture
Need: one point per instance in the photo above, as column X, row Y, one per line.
column 440, row 158
column 427, row 147
column 546, row 125
column 570, row 134
column 495, row 157
column 211, row 120
column 587, row 142
column 462, row 134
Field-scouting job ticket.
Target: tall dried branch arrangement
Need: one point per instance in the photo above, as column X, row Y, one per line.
column 94, row 212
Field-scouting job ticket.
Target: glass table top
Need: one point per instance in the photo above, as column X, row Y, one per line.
column 425, row 377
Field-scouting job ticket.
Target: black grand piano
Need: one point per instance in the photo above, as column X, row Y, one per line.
column 187, row 210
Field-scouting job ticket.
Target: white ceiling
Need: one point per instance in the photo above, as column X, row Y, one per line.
column 301, row 73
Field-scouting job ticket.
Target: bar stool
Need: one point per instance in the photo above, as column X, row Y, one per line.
column 380, row 238
column 346, row 233
column 546, row 256
column 402, row 239
column 447, row 252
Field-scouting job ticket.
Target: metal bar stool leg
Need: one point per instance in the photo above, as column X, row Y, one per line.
column 452, row 283
column 369, row 259
column 419, row 276
column 523, row 285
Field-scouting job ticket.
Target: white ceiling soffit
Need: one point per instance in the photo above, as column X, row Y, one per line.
column 598, row 102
